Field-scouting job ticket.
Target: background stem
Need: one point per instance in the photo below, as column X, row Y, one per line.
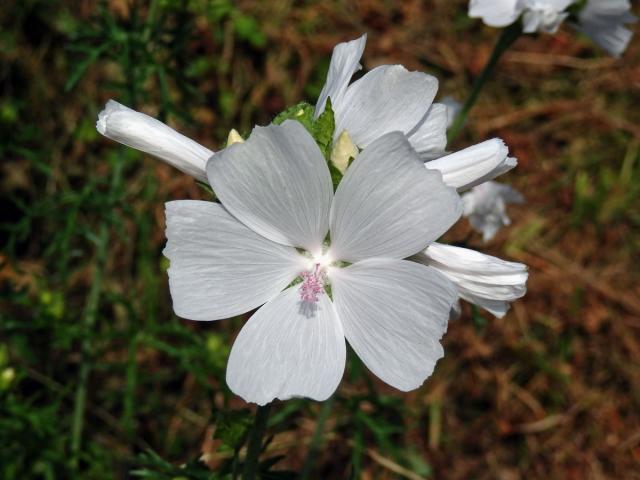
column 508, row 36
column 90, row 314
column 255, row 442
column 316, row 440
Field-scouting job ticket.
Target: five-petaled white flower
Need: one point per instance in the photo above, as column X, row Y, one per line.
column 602, row 20
column 277, row 208
column 486, row 207
column 400, row 101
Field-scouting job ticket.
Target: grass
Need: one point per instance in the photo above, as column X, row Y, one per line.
column 99, row 379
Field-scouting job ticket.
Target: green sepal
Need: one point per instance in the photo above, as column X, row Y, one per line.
column 321, row 129
column 301, row 112
column 336, row 175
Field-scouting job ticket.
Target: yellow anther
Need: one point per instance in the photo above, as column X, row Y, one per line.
column 234, row 137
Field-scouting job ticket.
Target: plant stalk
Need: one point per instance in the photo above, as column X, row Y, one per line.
column 508, row 36
column 254, row 448
column 314, row 446
column 90, row 314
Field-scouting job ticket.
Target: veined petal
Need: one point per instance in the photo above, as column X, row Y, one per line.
column 474, row 165
column 220, row 268
column 604, row 23
column 140, row 131
column 489, row 282
column 430, row 137
column 495, row 13
column 287, row 349
column 277, row 183
column 388, row 205
column 388, row 98
column 394, row 313
column 345, row 61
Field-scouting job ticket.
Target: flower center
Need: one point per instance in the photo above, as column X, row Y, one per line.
column 316, row 276
column 312, row 284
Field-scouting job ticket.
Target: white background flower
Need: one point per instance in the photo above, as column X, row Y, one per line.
column 539, row 15
column 602, row 20
column 277, row 194
column 486, row 207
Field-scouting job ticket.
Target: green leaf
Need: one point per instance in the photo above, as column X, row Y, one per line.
column 81, row 67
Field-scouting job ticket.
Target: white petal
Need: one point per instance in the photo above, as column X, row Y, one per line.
column 388, row 98
column 614, row 39
column 486, row 281
column 453, row 109
column 430, row 138
column 277, row 183
column 495, row 13
column 542, row 21
column 474, row 165
column 220, row 268
column 604, row 23
column 151, row 136
column 486, row 207
column 286, row 350
column 388, row 205
column 394, row 313
column 345, row 61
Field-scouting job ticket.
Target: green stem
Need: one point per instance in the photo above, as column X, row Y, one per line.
column 254, row 448
column 508, row 36
column 314, row 446
column 90, row 314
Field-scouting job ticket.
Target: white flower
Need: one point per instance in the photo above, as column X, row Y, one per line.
column 386, row 99
column 544, row 15
column 453, row 109
column 390, row 98
column 604, row 22
column 486, row 207
column 151, row 136
column 489, row 282
column 277, row 208
column 538, row 15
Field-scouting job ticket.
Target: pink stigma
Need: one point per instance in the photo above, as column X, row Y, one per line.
column 312, row 284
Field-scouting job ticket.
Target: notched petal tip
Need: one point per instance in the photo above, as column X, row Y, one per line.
column 109, row 109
